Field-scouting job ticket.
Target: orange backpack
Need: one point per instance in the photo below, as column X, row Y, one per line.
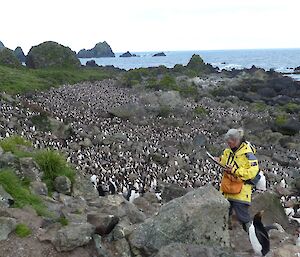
column 231, row 184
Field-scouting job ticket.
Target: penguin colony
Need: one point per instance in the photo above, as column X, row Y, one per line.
column 128, row 156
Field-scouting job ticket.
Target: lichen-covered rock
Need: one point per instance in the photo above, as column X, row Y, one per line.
column 199, row 217
column 72, row 236
column 273, row 210
column 6, row 200
column 38, row 188
column 30, row 169
column 62, row 184
column 8, row 58
column 7, row 225
column 51, row 54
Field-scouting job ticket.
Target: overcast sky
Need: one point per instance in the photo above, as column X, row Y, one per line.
column 151, row 25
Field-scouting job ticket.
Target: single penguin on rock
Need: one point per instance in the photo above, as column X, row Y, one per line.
column 258, row 236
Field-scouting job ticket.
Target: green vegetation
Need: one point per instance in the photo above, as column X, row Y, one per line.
column 200, row 111
column 53, row 164
column 22, row 196
column 281, row 119
column 12, row 144
column 21, row 80
column 8, row 58
column 22, row 230
column 291, row 107
column 260, row 106
column 63, row 221
column 164, row 111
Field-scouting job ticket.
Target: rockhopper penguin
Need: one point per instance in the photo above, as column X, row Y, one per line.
column 258, row 236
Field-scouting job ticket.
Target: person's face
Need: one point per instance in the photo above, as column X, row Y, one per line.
column 232, row 142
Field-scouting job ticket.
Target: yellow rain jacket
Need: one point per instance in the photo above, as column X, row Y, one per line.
column 245, row 166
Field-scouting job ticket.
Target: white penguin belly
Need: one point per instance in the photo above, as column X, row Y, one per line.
column 254, row 241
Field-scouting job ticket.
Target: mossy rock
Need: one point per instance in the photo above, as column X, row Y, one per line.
column 8, row 58
column 51, row 54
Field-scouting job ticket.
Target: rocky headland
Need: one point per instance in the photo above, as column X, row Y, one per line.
column 128, row 54
column 101, row 49
column 159, row 54
column 150, row 128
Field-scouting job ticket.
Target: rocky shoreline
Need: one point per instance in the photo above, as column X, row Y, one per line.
column 154, row 126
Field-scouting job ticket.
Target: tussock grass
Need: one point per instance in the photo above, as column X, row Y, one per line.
column 53, row 164
column 12, row 144
column 21, row 194
column 22, row 230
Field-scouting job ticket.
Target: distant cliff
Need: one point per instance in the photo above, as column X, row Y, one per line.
column 100, row 50
column 20, row 54
column 1, row 45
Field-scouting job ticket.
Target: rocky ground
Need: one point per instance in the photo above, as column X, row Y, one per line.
column 130, row 134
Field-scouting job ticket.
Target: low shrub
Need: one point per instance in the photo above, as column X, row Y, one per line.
column 22, row 230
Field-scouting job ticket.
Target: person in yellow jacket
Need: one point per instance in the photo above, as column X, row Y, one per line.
column 239, row 160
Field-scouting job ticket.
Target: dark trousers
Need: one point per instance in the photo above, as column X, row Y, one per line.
column 241, row 210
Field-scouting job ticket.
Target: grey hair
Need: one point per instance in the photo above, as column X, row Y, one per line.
column 234, row 134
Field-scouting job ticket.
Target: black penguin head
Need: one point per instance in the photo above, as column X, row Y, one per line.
column 258, row 215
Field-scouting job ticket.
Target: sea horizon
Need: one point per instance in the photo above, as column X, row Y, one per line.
column 281, row 60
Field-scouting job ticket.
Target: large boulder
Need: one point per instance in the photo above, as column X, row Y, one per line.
column 6, row 200
column 100, row 50
column 189, row 250
column 199, row 217
column 84, row 188
column 172, row 191
column 72, row 236
column 118, row 206
column 7, row 225
column 30, row 169
column 104, row 223
column 51, row 54
column 62, row 184
column 8, row 58
column 20, row 54
column 273, row 210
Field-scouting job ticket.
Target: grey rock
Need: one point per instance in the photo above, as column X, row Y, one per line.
column 7, row 225
column 1, row 151
column 189, row 250
column 118, row 206
column 122, row 230
column 86, row 142
column 5, row 198
column 72, row 236
column 38, row 188
column 104, row 223
column 30, row 169
column 83, row 187
column 273, row 210
column 122, row 248
column 101, row 249
column 62, row 184
column 199, row 217
column 172, row 191
column 7, row 159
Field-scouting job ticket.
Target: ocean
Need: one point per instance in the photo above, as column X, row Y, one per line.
column 281, row 60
